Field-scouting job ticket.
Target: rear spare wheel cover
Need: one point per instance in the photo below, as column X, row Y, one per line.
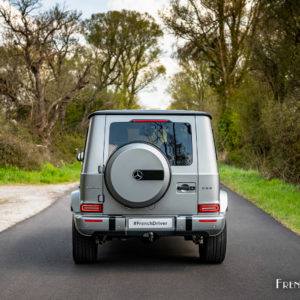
column 137, row 174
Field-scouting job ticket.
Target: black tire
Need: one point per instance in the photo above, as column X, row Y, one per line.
column 84, row 247
column 213, row 250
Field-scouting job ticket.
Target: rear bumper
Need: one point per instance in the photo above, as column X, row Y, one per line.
column 118, row 226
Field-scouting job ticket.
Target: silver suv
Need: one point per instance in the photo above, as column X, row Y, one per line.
column 149, row 174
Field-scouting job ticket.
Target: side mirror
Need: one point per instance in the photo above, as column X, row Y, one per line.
column 80, row 156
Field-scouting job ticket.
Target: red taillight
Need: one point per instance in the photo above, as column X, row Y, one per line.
column 208, row 208
column 94, row 221
column 91, row 207
column 150, row 121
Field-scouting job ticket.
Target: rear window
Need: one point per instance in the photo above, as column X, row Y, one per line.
column 173, row 139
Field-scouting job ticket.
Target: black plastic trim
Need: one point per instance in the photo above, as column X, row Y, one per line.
column 123, row 234
column 151, row 113
column 188, row 224
column 150, row 174
column 112, row 223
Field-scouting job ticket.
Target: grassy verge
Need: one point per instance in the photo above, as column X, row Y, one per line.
column 49, row 174
column 278, row 198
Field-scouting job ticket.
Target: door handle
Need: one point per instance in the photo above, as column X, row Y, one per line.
column 183, row 187
column 186, row 187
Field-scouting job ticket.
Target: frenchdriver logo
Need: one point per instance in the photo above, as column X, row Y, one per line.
column 151, row 223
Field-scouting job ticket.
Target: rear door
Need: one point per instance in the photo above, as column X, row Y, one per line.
column 177, row 140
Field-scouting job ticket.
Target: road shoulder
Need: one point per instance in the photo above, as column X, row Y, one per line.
column 19, row 202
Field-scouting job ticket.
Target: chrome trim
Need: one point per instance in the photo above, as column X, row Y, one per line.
column 75, row 201
column 223, row 201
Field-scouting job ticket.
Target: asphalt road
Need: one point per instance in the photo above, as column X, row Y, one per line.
column 36, row 262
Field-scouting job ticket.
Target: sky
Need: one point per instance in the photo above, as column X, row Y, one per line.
column 155, row 96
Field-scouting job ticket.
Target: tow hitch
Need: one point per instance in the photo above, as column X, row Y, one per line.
column 150, row 236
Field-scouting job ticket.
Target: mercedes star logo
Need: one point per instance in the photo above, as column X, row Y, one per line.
column 137, row 175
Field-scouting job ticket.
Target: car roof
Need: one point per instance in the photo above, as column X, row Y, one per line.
column 150, row 112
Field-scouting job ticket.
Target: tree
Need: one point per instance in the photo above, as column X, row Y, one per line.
column 216, row 30
column 125, row 46
column 102, row 32
column 276, row 48
column 188, row 88
column 10, row 84
column 50, row 68
column 139, row 63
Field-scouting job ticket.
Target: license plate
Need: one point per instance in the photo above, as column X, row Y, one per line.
column 143, row 223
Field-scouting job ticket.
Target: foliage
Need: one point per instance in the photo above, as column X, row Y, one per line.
column 18, row 148
column 281, row 127
column 278, row 198
column 216, row 32
column 229, row 131
column 66, row 148
column 276, row 48
column 252, row 52
column 189, row 88
column 49, row 82
column 46, row 61
column 239, row 60
column 48, row 175
column 125, row 50
column 262, row 133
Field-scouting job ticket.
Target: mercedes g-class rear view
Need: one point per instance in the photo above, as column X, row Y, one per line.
column 149, row 174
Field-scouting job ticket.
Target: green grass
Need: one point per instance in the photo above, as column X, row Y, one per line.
column 48, row 175
column 278, row 198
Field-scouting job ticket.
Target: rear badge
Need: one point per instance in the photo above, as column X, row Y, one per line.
column 137, row 175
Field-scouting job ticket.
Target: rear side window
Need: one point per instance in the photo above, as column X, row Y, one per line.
column 173, row 139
